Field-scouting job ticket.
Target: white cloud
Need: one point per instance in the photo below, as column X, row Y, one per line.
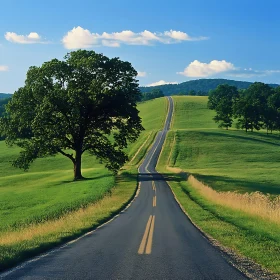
column 3, row 68
column 141, row 74
column 200, row 69
column 160, row 83
column 31, row 38
column 249, row 73
column 79, row 37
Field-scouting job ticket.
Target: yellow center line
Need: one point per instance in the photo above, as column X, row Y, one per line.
column 150, row 238
column 144, row 239
column 148, row 234
column 154, row 201
column 154, row 185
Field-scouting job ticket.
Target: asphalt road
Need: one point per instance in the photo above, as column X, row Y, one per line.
column 152, row 239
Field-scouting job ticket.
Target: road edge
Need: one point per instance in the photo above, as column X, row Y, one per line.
column 121, row 210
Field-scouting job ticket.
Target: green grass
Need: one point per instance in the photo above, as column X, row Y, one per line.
column 43, row 207
column 249, row 236
column 47, row 191
column 192, row 113
column 226, row 160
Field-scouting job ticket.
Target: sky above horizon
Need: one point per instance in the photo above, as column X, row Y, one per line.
column 166, row 41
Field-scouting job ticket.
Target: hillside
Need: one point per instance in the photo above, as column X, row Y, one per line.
column 201, row 86
column 230, row 184
column 5, row 95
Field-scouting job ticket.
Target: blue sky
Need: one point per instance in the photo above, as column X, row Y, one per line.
column 166, row 41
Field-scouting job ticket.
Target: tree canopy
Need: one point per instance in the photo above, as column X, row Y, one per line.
column 86, row 102
column 155, row 93
column 221, row 100
column 253, row 108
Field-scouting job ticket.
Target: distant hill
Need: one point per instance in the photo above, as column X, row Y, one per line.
column 201, row 86
column 5, row 95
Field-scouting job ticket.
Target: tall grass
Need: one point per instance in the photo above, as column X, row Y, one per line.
column 256, row 203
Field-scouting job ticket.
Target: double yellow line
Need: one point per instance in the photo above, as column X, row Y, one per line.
column 147, row 240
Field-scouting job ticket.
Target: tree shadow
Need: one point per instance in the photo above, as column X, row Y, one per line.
column 175, row 177
column 85, row 179
column 247, row 138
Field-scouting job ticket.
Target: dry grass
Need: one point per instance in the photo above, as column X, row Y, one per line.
column 255, row 203
column 19, row 244
column 75, row 220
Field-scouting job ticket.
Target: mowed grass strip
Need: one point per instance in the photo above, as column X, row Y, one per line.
column 228, row 161
column 43, row 207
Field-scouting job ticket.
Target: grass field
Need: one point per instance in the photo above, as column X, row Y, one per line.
column 41, row 208
column 228, row 161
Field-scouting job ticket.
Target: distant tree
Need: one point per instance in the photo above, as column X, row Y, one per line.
column 3, row 103
column 252, row 108
column 221, row 100
column 155, row 93
column 180, row 93
column 258, row 97
column 242, row 110
column 274, row 105
column 85, row 103
column 192, row 93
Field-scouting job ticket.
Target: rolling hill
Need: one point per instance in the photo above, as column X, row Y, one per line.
column 5, row 95
column 201, row 86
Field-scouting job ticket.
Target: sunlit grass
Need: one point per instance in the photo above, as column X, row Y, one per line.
column 240, row 207
column 43, row 207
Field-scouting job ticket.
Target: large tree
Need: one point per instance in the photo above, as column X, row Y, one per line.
column 86, row 102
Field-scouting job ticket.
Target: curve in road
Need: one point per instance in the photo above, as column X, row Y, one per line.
column 152, row 239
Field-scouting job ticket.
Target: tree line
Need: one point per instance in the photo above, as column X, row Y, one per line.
column 200, row 87
column 155, row 93
column 254, row 108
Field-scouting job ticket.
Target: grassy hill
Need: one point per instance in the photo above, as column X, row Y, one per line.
column 202, row 86
column 226, row 160
column 49, row 180
column 221, row 179
column 39, row 208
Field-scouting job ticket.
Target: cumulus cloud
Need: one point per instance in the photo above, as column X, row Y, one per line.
column 160, row 83
column 31, row 38
column 200, row 69
column 3, row 68
column 79, row 37
column 197, row 69
column 141, row 74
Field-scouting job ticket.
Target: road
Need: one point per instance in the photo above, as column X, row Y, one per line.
column 152, row 239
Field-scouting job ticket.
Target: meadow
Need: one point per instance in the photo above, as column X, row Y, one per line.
column 227, row 181
column 228, row 160
column 43, row 207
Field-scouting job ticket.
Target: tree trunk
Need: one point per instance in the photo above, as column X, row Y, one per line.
column 78, row 166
